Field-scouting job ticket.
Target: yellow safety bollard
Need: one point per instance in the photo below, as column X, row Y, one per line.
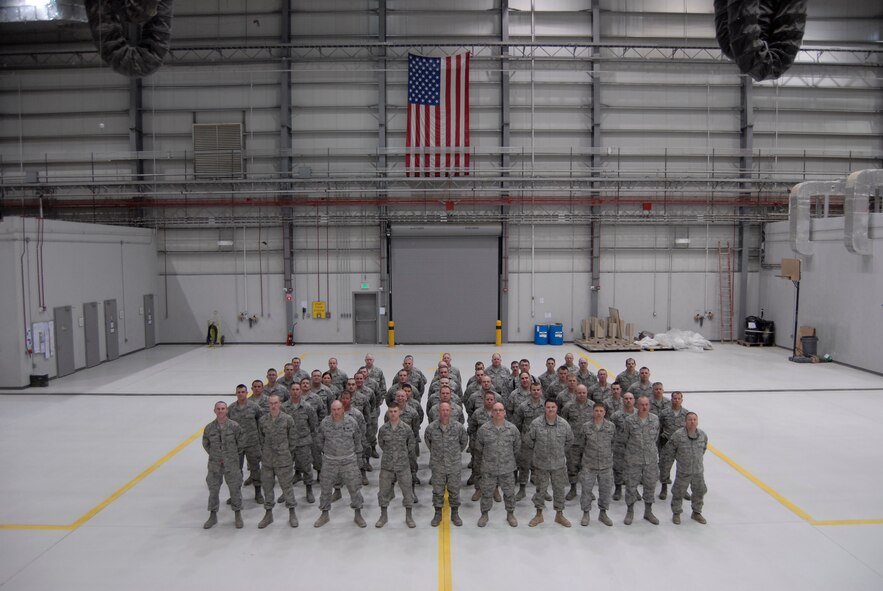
column 499, row 333
column 392, row 333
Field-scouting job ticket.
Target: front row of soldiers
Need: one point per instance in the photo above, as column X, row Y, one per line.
column 585, row 448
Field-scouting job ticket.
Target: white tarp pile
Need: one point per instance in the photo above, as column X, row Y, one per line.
column 678, row 340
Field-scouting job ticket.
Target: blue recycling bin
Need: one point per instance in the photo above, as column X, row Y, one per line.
column 541, row 334
column 556, row 334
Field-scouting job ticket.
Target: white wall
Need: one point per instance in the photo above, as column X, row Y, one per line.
column 841, row 293
column 81, row 263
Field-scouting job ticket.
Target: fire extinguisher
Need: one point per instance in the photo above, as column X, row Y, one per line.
column 290, row 341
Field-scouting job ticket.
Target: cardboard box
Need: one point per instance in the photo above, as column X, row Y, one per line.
column 791, row 269
column 629, row 331
column 612, row 330
column 586, row 327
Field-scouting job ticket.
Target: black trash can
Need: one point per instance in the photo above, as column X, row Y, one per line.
column 39, row 380
column 810, row 346
column 752, row 329
column 768, row 337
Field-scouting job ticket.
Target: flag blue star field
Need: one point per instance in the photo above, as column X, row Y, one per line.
column 437, row 138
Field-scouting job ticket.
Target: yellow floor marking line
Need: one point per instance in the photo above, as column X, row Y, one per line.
column 593, row 362
column 445, row 582
column 117, row 494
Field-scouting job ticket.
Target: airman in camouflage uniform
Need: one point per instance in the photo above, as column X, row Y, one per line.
column 305, row 425
column 476, row 420
column 687, row 447
column 629, row 376
column 340, row 438
column 641, row 431
column 586, row 377
column 278, row 442
column 658, row 402
column 549, row 377
column 577, row 414
column 222, row 441
column 274, row 387
column 457, row 413
column 569, row 394
column 525, row 414
column 476, row 400
column 549, row 436
column 600, row 390
column 446, row 440
column 619, row 465
column 415, row 377
column 643, row 387
column 247, row 413
column 402, row 377
column 374, row 372
column 596, row 444
column 670, row 420
column 338, row 376
column 572, row 369
column 258, row 396
column 321, row 390
column 499, row 374
column 396, row 440
column 498, row 442
column 317, row 401
column 520, row 395
column 613, row 402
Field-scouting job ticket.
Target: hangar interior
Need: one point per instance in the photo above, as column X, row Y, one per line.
column 617, row 159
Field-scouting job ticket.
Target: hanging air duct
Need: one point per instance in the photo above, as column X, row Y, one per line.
column 110, row 20
column 799, row 205
column 856, row 209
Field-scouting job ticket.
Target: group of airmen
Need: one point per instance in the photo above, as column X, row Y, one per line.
column 568, row 427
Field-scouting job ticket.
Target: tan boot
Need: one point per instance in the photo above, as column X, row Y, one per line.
column 560, row 519
column 455, row 517
column 676, row 518
column 384, row 517
column 602, row 517
column 537, row 519
column 335, row 496
column 510, row 519
column 482, row 521
column 521, row 493
column 629, row 515
column 267, row 520
column 323, row 519
column 258, row 496
column 664, row 492
column 436, row 519
column 585, row 520
column 211, row 521
column 292, row 517
column 476, row 496
column 237, row 519
column 571, row 494
column 698, row 517
column 617, row 492
column 648, row 514
column 310, row 497
column 358, row 519
column 497, row 497
column 409, row 519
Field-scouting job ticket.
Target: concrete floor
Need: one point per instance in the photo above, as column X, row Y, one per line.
column 803, row 445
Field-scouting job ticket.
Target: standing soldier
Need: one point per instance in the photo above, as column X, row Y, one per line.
column 258, row 396
column 687, row 446
column 287, row 377
column 618, row 419
column 570, row 365
column 522, row 394
column 577, row 414
column 305, row 425
column 549, row 436
column 613, row 402
column 396, row 440
column 498, row 441
column 278, row 442
column 642, row 387
column 274, row 387
column 338, row 376
column 247, row 413
column 596, row 444
column 671, row 419
column 298, row 374
column 629, row 376
column 222, row 441
column 446, row 440
column 600, row 390
column 586, row 377
column 642, row 459
column 476, row 420
column 525, row 414
column 346, row 399
column 341, row 442
column 499, row 375
column 321, row 390
column 320, row 405
column 476, row 399
column 568, row 395
column 659, row 403
column 374, row 372
column 415, row 377
column 549, row 376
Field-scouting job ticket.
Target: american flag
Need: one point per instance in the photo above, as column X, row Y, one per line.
column 437, row 140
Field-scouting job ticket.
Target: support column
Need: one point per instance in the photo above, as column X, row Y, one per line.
column 746, row 165
column 505, row 163
column 382, row 165
column 285, row 164
column 595, row 234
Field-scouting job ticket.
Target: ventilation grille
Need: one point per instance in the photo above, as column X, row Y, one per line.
column 217, row 150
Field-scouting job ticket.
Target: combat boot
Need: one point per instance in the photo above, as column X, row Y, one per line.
column 617, row 492
column 292, row 517
column 560, row 519
column 482, row 521
column 585, row 520
column 648, row 514
column 664, row 492
column 629, row 515
column 698, row 517
column 676, row 518
column 476, row 495
column 409, row 519
column 510, row 519
column 497, row 497
column 211, row 521
column 571, row 494
column 281, row 499
column 537, row 519
column 436, row 519
column 602, row 517
column 358, row 519
column 336, row 495
column 267, row 520
column 383, row 518
column 311, row 498
column 455, row 516
column 364, row 478
column 374, row 453
column 521, row 493
column 323, row 519
column 258, row 495
column 237, row 519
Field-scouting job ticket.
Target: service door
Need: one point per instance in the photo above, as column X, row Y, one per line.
column 90, row 326
column 365, row 315
column 111, row 335
column 149, row 324
column 64, row 340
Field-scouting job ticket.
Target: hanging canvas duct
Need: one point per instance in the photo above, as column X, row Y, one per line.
column 761, row 36
column 109, row 21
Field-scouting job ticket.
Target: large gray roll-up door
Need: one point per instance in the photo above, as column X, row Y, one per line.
column 445, row 289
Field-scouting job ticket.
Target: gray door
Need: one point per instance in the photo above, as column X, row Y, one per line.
column 64, row 340
column 365, row 318
column 149, row 325
column 111, row 336
column 90, row 326
column 445, row 289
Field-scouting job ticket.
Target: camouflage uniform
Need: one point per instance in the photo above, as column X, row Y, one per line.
column 305, row 425
column 278, row 442
column 611, row 406
column 547, row 379
column 499, row 376
column 318, row 404
column 223, row 445
column 279, row 389
column 524, row 416
column 263, row 402
column 669, row 422
column 549, row 443
column 497, row 447
column 338, row 378
column 657, row 407
column 398, row 446
column 626, row 379
column 596, row 445
column 418, row 383
column 517, row 397
column 639, row 389
column 688, row 452
column 577, row 415
column 642, row 458
column 446, row 445
column 599, row 394
column 376, row 374
column 434, row 400
column 618, row 418
column 587, row 379
column 476, row 401
column 247, row 416
column 457, row 413
column 325, row 395
column 341, row 444
column 476, row 420
column 555, row 388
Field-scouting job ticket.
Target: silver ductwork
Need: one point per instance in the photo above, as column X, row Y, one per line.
column 860, row 185
column 37, row 11
column 799, row 205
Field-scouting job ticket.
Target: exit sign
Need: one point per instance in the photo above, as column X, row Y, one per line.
column 365, row 285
